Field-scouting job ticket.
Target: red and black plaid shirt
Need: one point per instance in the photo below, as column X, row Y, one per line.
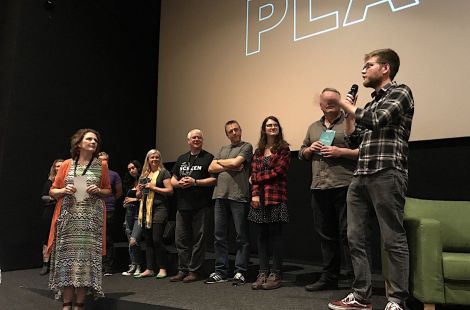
column 270, row 181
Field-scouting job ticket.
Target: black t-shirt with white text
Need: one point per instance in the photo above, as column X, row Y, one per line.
column 197, row 167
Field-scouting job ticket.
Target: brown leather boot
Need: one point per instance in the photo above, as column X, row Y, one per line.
column 178, row 277
column 272, row 282
column 191, row 277
column 260, row 280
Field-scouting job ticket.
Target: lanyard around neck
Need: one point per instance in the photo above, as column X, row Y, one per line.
column 194, row 159
column 84, row 171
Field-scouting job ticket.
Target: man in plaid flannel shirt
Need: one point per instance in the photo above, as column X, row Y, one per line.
column 381, row 130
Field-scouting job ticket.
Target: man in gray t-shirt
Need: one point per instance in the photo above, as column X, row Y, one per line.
column 232, row 195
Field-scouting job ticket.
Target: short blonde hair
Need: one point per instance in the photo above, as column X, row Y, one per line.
column 331, row 89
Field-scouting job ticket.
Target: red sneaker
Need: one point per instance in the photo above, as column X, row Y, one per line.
column 349, row 303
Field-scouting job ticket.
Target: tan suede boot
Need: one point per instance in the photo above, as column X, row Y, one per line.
column 272, row 282
column 260, row 280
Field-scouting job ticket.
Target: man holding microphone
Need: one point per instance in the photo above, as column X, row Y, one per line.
column 381, row 130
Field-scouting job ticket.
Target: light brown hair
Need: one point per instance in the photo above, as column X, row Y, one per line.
column 78, row 137
column 386, row 56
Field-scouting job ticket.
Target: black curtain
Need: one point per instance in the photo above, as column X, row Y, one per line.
column 80, row 64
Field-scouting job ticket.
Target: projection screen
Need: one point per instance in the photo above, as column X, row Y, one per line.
column 240, row 59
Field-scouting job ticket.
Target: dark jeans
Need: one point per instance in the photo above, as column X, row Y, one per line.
column 222, row 211
column 155, row 249
column 108, row 260
column 269, row 234
column 330, row 222
column 384, row 194
column 190, row 239
column 133, row 230
column 156, row 252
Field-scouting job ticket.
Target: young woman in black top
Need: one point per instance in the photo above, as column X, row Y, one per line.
column 133, row 229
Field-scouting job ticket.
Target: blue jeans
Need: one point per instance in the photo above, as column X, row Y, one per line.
column 133, row 230
column 239, row 211
column 383, row 193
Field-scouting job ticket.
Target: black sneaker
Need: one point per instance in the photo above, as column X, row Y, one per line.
column 238, row 279
column 322, row 285
column 45, row 269
column 215, row 278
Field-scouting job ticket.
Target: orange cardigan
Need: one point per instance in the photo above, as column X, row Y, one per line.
column 59, row 182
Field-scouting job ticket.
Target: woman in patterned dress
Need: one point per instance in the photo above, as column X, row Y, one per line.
column 268, row 210
column 76, row 239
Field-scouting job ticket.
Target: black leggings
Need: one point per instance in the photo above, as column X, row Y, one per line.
column 269, row 234
column 155, row 249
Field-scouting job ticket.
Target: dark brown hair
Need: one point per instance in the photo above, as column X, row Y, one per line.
column 279, row 141
column 129, row 180
column 78, row 137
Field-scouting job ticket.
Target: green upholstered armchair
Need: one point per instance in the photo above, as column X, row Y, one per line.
column 439, row 242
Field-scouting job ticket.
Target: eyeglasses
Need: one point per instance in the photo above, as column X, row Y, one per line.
column 370, row 64
column 272, row 125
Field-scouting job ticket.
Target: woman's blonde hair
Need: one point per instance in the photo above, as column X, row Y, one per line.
column 52, row 172
column 146, row 167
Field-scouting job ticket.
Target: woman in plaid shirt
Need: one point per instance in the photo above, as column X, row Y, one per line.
column 268, row 209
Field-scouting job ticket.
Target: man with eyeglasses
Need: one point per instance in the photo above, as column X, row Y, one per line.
column 333, row 164
column 381, row 130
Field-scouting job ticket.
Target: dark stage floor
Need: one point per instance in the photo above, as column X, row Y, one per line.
column 26, row 289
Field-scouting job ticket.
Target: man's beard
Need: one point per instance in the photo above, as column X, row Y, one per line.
column 372, row 83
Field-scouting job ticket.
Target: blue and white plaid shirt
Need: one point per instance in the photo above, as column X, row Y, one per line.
column 383, row 129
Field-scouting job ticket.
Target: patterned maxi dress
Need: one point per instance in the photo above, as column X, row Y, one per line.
column 76, row 255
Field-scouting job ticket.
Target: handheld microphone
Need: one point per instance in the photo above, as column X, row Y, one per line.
column 353, row 91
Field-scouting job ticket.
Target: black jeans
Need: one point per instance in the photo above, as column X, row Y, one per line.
column 330, row 222
column 269, row 235
column 190, row 239
column 155, row 251
column 108, row 260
